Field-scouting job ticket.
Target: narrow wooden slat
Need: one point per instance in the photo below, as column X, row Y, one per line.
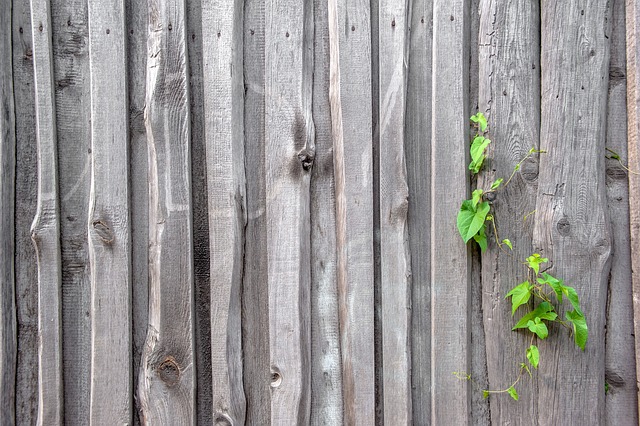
column 571, row 226
column 509, row 95
column 289, row 156
column 450, row 292
column 223, row 106
column 394, row 205
column 45, row 230
column 108, row 226
column 167, row 378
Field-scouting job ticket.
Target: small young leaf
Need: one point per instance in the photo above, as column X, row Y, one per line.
column 526, row 368
column 513, row 393
column 478, row 147
column 534, row 262
column 544, row 311
column 533, row 356
column 538, row 328
column 471, row 219
column 580, row 329
column 481, row 239
column 481, row 120
column 485, row 394
column 476, row 196
column 520, row 295
column 554, row 283
column 508, row 243
column 497, row 183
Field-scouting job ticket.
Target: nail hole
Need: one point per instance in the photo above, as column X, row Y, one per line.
column 170, row 27
column 108, row 30
column 451, row 18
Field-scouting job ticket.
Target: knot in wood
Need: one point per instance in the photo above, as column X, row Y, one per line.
column 529, row 170
column 222, row 419
column 169, row 371
column 564, row 227
column 103, row 231
column 306, row 157
column 276, row 378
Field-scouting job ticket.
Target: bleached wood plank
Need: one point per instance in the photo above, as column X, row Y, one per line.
column 45, row 230
column 109, row 234
column 289, row 157
column 572, row 227
column 167, row 379
column 450, row 292
column 223, row 105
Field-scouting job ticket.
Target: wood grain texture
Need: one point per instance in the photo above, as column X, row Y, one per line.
column 509, row 96
column 109, row 242
column 572, row 227
column 45, row 230
column 223, row 106
column 450, row 292
column 8, row 328
column 289, row 157
column 167, row 379
column 394, row 204
column 350, row 99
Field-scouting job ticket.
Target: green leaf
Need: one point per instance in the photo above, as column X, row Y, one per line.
column 485, row 394
column 481, row 120
column 534, row 262
column 538, row 328
column 544, row 311
column 497, row 183
column 533, row 356
column 520, row 295
column 481, row 238
column 508, row 243
column 471, row 219
column 476, row 196
column 572, row 295
column 512, row 392
column 580, row 329
column 526, row 368
column 478, row 147
column 554, row 283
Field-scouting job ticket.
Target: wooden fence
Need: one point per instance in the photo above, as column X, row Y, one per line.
column 244, row 212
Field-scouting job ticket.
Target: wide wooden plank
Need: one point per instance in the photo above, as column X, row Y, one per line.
column 289, row 157
column 45, row 230
column 351, row 118
column 224, row 141
column 167, row 378
column 509, row 95
column 109, row 231
column 8, row 337
column 450, row 292
column 571, row 226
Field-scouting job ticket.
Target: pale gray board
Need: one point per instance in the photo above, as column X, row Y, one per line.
column 8, row 332
column 509, row 96
column 289, row 155
column 326, row 365
column 450, row 330
column 395, row 281
column 224, row 145
column 350, row 99
column 572, row 227
column 109, row 229
column 45, row 230
column 167, row 383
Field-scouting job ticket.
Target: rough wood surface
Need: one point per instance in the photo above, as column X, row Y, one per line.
column 450, row 292
column 509, row 96
column 109, row 233
column 572, row 227
column 167, row 379
column 350, row 101
column 45, row 230
column 289, row 158
column 224, row 141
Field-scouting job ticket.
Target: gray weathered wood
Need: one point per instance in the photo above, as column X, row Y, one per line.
column 394, row 205
column 350, row 66
column 45, row 230
column 224, row 139
column 572, row 227
column 289, row 155
column 109, row 234
column 509, row 95
column 450, row 293
column 167, row 378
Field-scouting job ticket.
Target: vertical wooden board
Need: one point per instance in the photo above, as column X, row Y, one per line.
column 167, row 378
column 572, row 227
column 350, row 65
column 509, row 94
column 289, row 155
column 108, row 225
column 326, row 366
column 45, row 230
column 450, row 291
column 8, row 334
column 394, row 203
column 223, row 106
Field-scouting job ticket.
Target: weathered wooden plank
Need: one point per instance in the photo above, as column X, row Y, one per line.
column 571, row 226
column 394, row 204
column 326, row 366
column 509, row 95
column 632, row 13
column 223, row 105
column 289, row 156
column 350, row 99
column 8, row 332
column 167, row 378
column 109, row 242
column 450, row 293
column 45, row 230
